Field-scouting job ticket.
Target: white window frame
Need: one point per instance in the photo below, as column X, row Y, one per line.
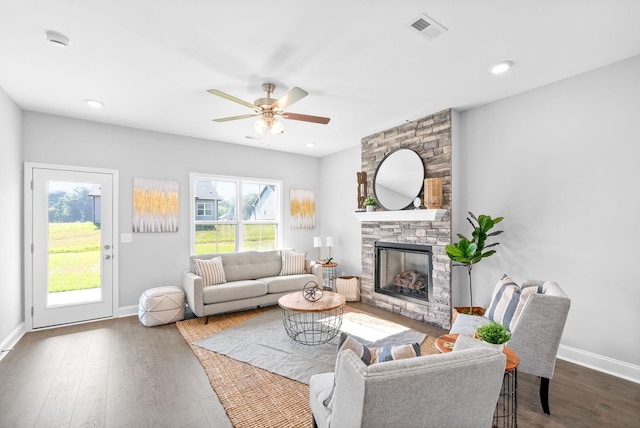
column 279, row 218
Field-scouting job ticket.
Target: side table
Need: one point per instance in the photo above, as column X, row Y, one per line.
column 329, row 273
column 506, row 413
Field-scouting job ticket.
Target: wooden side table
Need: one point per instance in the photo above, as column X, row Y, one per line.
column 329, row 272
column 506, row 413
column 312, row 323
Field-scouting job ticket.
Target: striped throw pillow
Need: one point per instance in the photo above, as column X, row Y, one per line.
column 211, row 271
column 391, row 353
column 293, row 263
column 507, row 302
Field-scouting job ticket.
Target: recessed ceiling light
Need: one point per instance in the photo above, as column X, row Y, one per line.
column 57, row 39
column 311, row 145
column 94, row 103
column 501, row 67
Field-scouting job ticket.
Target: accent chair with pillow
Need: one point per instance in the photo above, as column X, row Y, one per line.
column 535, row 314
column 456, row 389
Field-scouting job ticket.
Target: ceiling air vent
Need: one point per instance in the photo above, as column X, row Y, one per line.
column 426, row 26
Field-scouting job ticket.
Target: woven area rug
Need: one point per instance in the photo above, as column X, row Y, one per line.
column 253, row 397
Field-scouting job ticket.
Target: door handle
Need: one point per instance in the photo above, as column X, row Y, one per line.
column 107, row 257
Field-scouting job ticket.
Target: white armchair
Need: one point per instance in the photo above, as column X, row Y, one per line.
column 536, row 336
column 454, row 389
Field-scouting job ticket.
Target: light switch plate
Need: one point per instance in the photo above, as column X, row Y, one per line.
column 126, row 237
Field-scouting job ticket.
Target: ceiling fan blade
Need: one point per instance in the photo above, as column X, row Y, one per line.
column 306, row 118
column 243, row 116
column 231, row 98
column 293, row 95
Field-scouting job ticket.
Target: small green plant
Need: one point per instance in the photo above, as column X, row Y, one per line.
column 493, row 332
column 370, row 201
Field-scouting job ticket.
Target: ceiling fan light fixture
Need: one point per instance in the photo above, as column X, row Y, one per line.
column 260, row 126
column 276, row 127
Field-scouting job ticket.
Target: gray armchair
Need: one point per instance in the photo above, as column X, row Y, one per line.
column 454, row 389
column 536, row 336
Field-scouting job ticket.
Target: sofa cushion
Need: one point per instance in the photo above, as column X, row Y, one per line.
column 507, row 302
column 293, row 263
column 282, row 284
column 211, row 271
column 235, row 290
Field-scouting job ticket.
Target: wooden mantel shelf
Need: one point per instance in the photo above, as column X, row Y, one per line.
column 401, row 215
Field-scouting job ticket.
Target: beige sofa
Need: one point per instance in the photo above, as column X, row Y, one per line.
column 253, row 279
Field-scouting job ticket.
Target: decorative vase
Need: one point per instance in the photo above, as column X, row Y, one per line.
column 433, row 193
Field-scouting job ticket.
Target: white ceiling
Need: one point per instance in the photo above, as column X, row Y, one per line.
column 152, row 61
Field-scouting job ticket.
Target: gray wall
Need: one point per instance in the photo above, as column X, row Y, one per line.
column 561, row 163
column 340, row 199
column 155, row 259
column 11, row 303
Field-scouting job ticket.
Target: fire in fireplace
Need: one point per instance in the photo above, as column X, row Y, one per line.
column 403, row 270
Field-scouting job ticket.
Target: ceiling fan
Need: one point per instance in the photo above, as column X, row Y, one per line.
column 268, row 109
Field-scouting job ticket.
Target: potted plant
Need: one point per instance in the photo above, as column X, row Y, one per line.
column 370, row 203
column 468, row 252
column 493, row 333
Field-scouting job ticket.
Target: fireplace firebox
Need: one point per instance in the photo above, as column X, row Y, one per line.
column 404, row 270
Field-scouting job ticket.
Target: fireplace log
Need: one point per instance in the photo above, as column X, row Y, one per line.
column 411, row 280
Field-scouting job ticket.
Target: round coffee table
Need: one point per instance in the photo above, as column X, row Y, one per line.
column 312, row 323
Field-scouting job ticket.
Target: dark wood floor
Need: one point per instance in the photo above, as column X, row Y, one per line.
column 118, row 373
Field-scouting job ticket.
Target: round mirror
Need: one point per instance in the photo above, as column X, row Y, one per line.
column 398, row 179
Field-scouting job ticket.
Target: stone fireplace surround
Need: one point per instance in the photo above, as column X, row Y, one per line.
column 430, row 137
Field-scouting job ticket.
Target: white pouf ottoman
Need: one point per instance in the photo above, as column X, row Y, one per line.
column 161, row 305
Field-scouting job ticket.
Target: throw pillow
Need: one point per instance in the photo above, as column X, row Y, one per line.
column 507, row 302
column 391, row 353
column 211, row 271
column 348, row 342
column 293, row 263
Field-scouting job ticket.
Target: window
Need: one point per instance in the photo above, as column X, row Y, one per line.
column 204, row 209
column 234, row 214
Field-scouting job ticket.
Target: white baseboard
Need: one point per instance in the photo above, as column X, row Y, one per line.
column 600, row 363
column 10, row 341
column 127, row 311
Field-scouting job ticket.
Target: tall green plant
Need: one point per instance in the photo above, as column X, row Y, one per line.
column 468, row 252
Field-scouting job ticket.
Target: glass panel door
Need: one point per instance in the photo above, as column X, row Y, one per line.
column 72, row 246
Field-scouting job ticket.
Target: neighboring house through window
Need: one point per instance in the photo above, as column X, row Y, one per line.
column 214, row 224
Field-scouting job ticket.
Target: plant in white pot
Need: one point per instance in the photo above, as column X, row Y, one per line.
column 370, row 203
column 469, row 252
column 493, row 333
